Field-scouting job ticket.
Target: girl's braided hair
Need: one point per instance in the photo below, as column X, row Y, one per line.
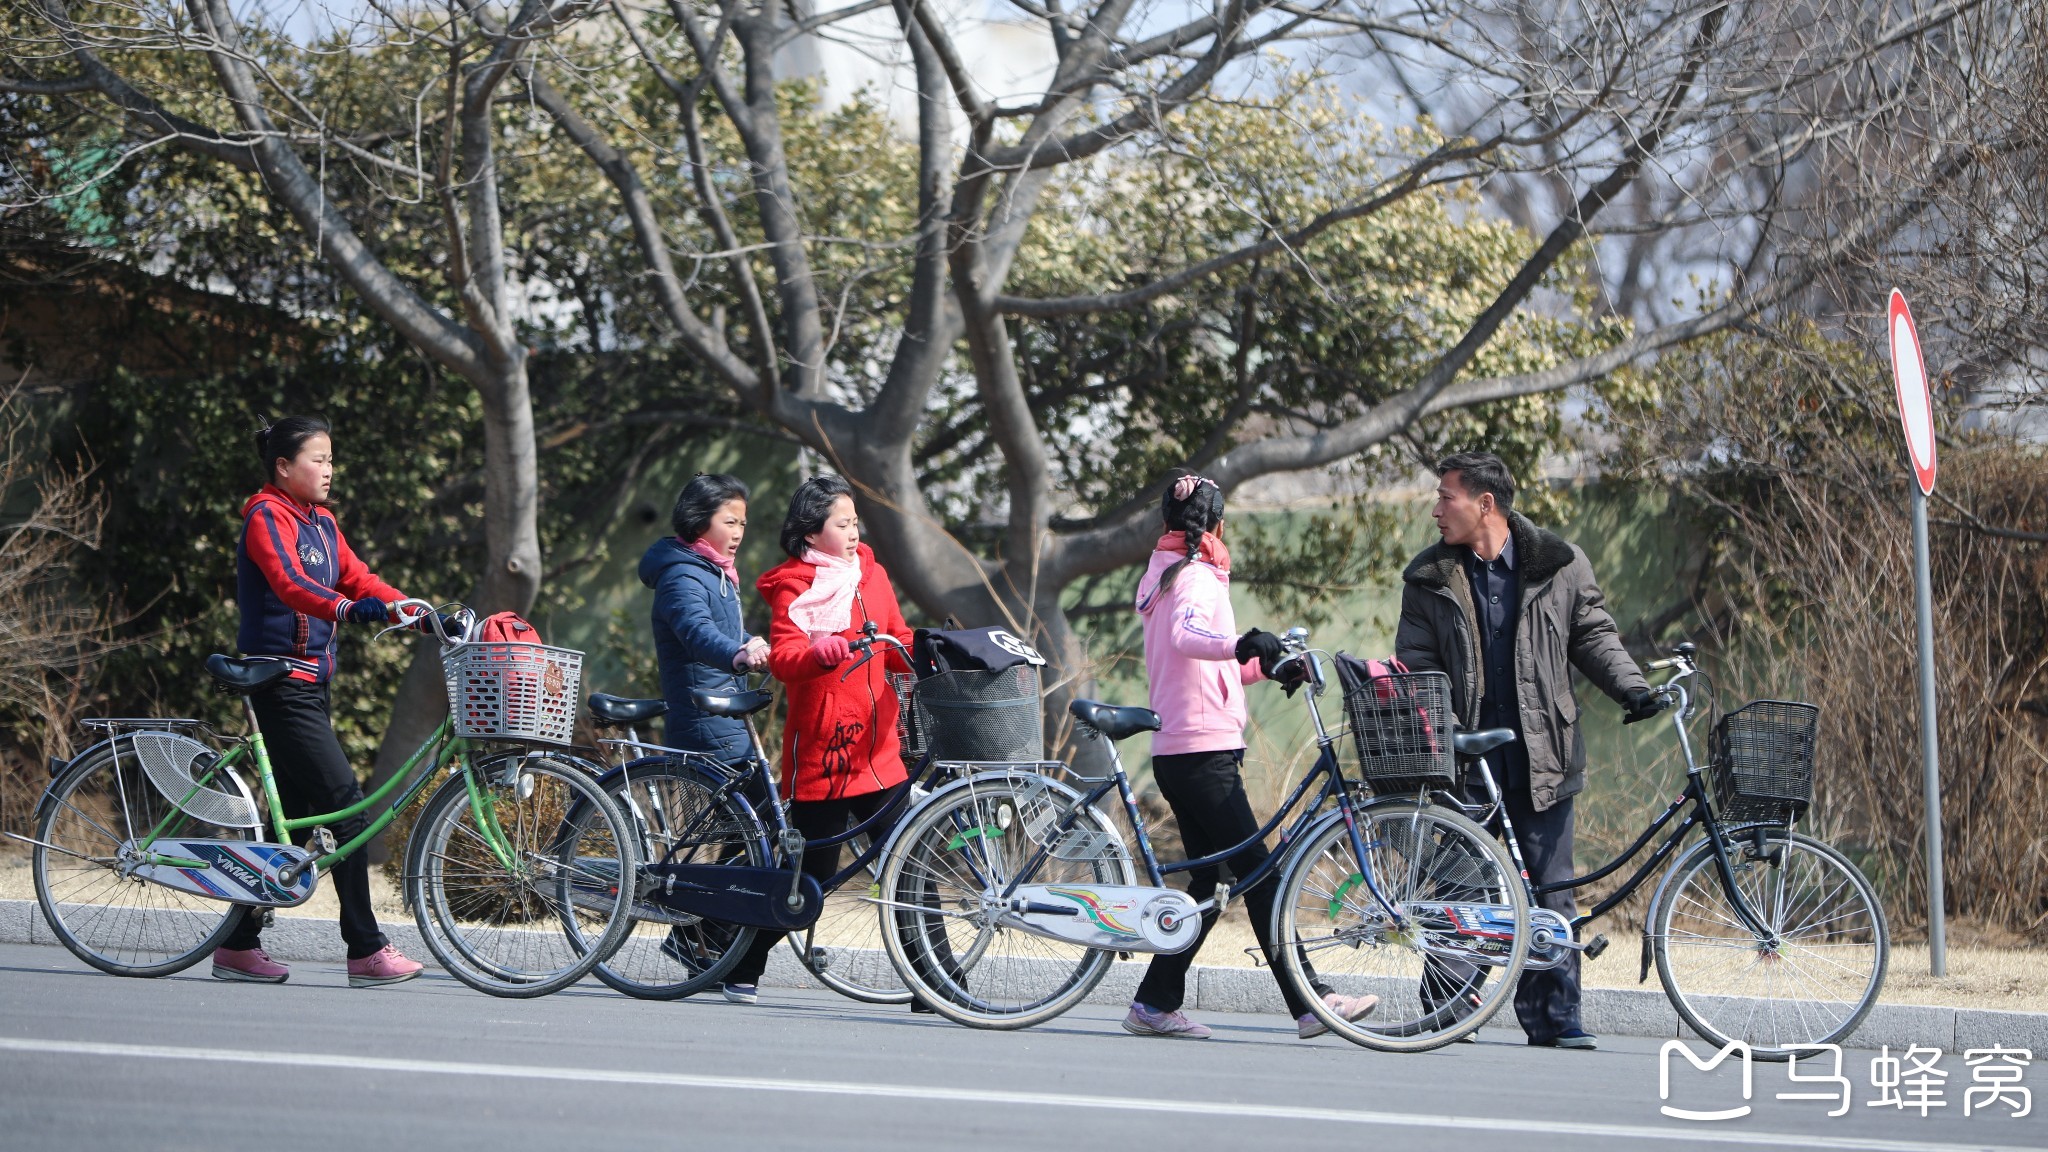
column 1191, row 506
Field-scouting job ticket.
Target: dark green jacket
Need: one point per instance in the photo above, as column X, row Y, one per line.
column 1563, row 624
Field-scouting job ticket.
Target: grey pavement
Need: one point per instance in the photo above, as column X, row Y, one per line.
column 89, row 1061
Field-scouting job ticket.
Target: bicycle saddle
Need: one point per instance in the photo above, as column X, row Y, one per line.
column 619, row 710
column 1112, row 721
column 246, row 674
column 734, row 704
column 1481, row 742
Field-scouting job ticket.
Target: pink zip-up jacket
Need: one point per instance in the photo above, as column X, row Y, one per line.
column 1191, row 658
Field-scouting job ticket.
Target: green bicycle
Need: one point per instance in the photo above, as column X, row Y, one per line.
column 148, row 848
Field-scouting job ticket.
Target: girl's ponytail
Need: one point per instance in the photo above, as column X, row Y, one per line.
column 1191, row 506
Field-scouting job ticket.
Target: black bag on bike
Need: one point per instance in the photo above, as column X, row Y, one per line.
column 976, row 696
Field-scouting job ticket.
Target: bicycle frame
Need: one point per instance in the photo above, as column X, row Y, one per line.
column 1693, row 801
column 1327, row 769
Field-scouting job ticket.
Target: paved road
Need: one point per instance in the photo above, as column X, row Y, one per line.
column 89, row 1061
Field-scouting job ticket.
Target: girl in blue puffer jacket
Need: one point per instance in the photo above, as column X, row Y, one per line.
column 699, row 640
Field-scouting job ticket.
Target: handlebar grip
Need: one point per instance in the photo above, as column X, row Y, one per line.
column 1660, row 665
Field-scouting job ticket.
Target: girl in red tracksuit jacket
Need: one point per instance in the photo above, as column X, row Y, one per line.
column 841, row 760
column 295, row 580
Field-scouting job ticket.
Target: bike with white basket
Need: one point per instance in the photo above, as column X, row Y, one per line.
column 149, row 845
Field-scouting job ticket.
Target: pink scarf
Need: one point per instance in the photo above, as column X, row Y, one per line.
column 726, row 564
column 826, row 607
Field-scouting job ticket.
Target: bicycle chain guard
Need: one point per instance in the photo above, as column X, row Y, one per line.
column 237, row 871
column 1124, row 918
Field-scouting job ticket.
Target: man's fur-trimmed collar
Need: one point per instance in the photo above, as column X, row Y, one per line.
column 1539, row 553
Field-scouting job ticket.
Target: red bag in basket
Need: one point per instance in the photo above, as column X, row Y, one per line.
column 508, row 626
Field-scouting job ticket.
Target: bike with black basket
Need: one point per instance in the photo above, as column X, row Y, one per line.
column 1758, row 933
column 724, row 862
column 1006, row 908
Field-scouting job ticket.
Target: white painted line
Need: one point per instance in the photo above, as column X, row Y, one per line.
column 926, row 1094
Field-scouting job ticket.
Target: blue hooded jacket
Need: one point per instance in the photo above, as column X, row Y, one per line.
column 697, row 632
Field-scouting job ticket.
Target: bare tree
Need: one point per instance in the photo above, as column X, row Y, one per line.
column 1702, row 114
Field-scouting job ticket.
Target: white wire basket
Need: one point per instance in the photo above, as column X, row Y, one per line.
column 513, row 691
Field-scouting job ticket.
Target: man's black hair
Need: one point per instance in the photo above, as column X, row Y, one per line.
column 1481, row 472
column 700, row 500
column 809, row 506
column 282, row 439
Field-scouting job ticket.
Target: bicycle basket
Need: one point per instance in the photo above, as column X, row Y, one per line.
column 1401, row 723
column 1761, row 766
column 973, row 715
column 174, row 764
column 913, row 727
column 513, row 691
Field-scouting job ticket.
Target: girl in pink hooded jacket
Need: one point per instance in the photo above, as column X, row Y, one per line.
column 1198, row 668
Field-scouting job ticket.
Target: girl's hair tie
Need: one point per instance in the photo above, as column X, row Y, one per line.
column 1187, row 485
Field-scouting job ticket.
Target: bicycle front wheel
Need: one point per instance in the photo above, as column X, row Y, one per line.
column 513, row 896
column 682, row 818
column 944, row 929
column 89, row 824
column 1444, row 950
column 1812, row 980
column 844, row 950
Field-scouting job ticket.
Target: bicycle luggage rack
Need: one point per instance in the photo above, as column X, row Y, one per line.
column 1401, row 724
column 1761, row 762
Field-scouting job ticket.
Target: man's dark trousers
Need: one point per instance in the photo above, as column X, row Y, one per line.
column 1546, row 1002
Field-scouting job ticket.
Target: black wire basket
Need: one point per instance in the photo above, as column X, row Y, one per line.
column 981, row 716
column 1761, row 762
column 1401, row 723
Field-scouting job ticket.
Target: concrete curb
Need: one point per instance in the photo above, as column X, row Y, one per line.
column 1607, row 1011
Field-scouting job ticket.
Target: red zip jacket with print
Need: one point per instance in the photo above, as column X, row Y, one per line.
column 294, row 578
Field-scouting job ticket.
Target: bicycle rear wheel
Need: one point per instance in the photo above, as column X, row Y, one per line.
column 957, row 852
column 92, row 815
column 1812, row 985
column 513, row 897
column 1440, row 972
column 681, row 819
column 844, row 950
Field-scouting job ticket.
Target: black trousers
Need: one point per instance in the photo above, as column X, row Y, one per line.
column 1547, row 1002
column 1206, row 792
column 817, row 820
column 313, row 776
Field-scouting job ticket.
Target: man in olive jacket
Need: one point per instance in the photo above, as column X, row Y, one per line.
column 1507, row 610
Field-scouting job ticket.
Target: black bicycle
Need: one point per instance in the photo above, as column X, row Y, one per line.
column 1758, row 933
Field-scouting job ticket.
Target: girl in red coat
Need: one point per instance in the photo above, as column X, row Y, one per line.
column 840, row 757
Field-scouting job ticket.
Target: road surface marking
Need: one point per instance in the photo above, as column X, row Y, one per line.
column 934, row 1094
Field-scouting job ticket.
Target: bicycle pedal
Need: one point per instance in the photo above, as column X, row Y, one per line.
column 821, row 959
column 321, row 842
column 1595, row 947
column 267, row 918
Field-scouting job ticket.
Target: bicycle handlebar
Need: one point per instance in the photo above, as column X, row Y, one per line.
column 872, row 635
column 435, row 619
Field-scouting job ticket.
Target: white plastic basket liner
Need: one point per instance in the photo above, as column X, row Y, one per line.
column 513, row 691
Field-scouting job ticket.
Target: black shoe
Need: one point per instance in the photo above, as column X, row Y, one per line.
column 917, row 1005
column 1578, row 1039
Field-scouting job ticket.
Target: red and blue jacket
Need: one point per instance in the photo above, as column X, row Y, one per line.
column 294, row 578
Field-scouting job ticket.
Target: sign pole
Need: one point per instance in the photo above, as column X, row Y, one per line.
column 1916, row 417
column 1930, row 745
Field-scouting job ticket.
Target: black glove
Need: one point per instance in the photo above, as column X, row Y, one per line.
column 423, row 622
column 1642, row 704
column 1263, row 645
column 1293, row 671
column 366, row 612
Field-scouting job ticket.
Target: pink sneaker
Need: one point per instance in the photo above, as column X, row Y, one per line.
column 1349, row 1007
column 248, row 966
column 1143, row 1021
column 387, row 965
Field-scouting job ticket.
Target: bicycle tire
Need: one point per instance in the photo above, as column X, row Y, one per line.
column 1420, row 854
column 666, row 955
column 1698, row 959
column 121, row 926
column 505, row 928
column 843, row 949
column 1008, row 979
